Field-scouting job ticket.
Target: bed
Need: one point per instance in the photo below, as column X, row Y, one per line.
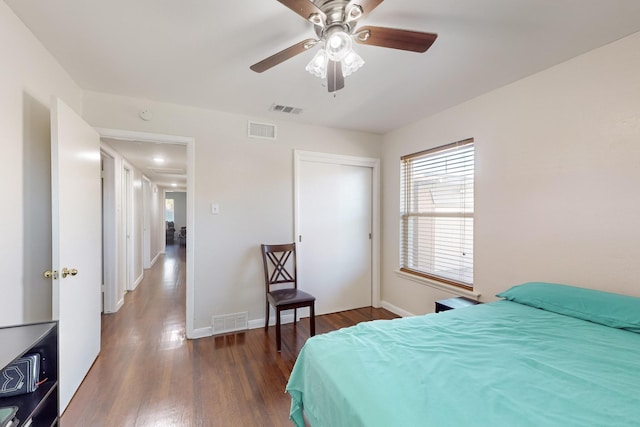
column 546, row 355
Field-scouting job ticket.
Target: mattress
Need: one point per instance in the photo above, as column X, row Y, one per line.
column 496, row 364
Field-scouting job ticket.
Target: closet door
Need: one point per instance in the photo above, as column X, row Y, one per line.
column 334, row 234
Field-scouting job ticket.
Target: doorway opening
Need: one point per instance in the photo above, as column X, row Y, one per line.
column 147, row 230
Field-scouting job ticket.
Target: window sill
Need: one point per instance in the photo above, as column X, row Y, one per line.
column 438, row 285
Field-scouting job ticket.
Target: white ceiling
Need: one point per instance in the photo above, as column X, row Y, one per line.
column 198, row 52
column 172, row 173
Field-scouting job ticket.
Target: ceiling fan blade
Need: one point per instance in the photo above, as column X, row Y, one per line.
column 335, row 78
column 283, row 55
column 307, row 10
column 394, row 38
column 366, row 5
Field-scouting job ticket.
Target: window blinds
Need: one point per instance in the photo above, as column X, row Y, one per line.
column 437, row 213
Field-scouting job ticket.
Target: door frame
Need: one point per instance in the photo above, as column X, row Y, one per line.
column 338, row 159
column 146, row 223
column 128, row 254
column 189, row 142
column 111, row 300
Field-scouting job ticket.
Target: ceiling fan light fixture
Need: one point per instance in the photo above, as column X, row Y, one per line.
column 338, row 45
column 351, row 63
column 362, row 35
column 354, row 13
column 318, row 64
column 335, row 24
column 316, row 19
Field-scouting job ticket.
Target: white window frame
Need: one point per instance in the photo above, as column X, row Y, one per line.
column 419, row 253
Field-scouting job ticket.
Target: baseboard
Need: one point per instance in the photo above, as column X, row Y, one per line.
column 155, row 258
column 259, row 323
column 137, row 282
column 396, row 310
column 200, row 333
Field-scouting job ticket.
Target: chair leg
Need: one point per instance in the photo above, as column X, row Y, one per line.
column 295, row 315
column 266, row 317
column 312, row 319
column 278, row 329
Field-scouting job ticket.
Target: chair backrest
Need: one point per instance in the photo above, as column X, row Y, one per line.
column 279, row 264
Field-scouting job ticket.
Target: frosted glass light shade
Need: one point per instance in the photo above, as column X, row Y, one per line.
column 351, row 63
column 338, row 45
column 318, row 65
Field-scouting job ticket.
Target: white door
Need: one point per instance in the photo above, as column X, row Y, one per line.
column 146, row 223
column 127, row 203
column 334, row 241
column 76, row 237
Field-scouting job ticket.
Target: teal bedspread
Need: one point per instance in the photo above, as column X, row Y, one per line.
column 497, row 364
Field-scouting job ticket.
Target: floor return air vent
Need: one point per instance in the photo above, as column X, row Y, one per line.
column 230, row 323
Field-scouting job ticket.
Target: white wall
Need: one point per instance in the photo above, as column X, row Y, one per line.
column 157, row 235
column 28, row 78
column 154, row 220
column 557, row 176
column 251, row 180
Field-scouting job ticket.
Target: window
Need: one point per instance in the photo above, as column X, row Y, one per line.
column 168, row 210
column 436, row 222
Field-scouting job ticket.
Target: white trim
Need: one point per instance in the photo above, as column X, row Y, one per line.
column 438, row 285
column 155, row 258
column 396, row 310
column 137, row 281
column 128, row 215
column 190, row 143
column 146, row 222
column 129, row 135
column 374, row 164
column 251, row 324
column 259, row 323
column 201, row 332
column 119, row 304
column 192, row 234
column 110, row 235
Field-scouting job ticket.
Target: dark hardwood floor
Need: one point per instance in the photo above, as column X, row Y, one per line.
column 149, row 374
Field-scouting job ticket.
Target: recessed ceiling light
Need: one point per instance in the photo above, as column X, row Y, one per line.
column 158, row 160
column 173, row 184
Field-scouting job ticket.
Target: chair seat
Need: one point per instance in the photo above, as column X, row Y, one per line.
column 287, row 297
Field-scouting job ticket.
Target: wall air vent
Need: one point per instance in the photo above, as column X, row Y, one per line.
column 285, row 109
column 262, row 130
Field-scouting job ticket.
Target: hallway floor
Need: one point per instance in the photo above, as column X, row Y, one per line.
column 149, row 374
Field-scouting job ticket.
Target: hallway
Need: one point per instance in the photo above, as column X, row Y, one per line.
column 149, row 374
column 144, row 352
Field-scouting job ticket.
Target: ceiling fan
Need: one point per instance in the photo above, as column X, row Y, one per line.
column 335, row 23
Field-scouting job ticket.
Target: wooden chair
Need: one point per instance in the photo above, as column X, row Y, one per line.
column 280, row 277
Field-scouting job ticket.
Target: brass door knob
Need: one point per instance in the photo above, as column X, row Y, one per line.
column 66, row 272
column 50, row 274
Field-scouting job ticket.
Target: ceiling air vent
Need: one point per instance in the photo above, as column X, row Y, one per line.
column 262, row 130
column 285, row 109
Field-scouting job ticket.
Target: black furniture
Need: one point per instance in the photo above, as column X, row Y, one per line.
column 452, row 303
column 281, row 282
column 41, row 407
column 182, row 236
column 171, row 232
